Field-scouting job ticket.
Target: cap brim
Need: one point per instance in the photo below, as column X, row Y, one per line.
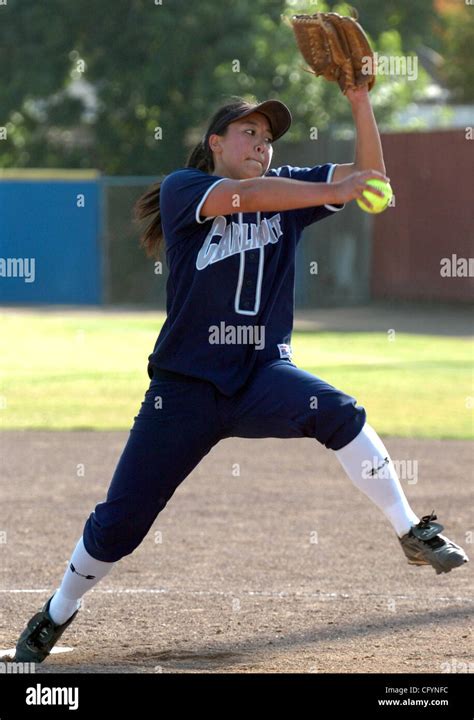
column 277, row 114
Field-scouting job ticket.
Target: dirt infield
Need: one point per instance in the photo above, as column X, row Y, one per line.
column 283, row 568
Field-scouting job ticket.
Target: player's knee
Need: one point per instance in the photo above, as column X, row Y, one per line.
column 347, row 430
column 109, row 536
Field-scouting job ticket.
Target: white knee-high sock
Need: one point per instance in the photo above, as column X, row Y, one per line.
column 367, row 462
column 83, row 572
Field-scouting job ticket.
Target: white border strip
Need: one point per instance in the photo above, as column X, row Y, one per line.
column 203, row 200
column 333, row 208
column 261, row 262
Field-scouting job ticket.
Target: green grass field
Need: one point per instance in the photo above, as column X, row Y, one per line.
column 81, row 371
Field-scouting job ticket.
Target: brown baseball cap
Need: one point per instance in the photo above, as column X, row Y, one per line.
column 276, row 112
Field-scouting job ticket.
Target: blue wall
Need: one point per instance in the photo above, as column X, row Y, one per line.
column 41, row 220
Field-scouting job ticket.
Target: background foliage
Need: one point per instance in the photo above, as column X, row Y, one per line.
column 168, row 66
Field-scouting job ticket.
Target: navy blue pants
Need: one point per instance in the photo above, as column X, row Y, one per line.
column 180, row 421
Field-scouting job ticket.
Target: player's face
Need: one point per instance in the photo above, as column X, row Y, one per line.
column 245, row 151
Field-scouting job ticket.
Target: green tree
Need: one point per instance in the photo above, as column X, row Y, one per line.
column 157, row 72
column 415, row 20
column 458, row 69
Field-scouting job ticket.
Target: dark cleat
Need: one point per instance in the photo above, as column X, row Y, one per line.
column 424, row 545
column 39, row 637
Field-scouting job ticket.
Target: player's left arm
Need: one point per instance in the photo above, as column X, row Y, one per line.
column 368, row 152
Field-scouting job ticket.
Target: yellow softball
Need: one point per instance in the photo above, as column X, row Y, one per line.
column 379, row 203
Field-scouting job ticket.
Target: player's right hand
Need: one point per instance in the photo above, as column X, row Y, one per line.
column 352, row 187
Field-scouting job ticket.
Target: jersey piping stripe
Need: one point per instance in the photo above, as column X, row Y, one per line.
column 333, row 208
column 198, row 209
column 261, row 262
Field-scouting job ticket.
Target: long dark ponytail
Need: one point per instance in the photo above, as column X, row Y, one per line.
column 201, row 158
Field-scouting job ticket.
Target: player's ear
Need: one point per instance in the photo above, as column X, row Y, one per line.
column 215, row 143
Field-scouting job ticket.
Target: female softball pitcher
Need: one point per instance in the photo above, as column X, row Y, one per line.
column 230, row 225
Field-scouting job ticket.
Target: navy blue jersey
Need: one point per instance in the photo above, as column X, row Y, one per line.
column 230, row 290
